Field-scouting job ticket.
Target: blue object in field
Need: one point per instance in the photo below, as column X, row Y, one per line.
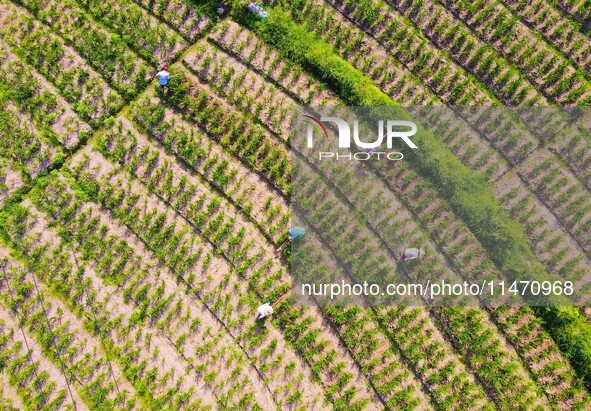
column 296, row 232
column 257, row 9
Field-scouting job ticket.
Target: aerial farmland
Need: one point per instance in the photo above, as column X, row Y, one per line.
column 161, row 205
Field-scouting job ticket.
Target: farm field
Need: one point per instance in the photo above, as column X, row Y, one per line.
column 140, row 227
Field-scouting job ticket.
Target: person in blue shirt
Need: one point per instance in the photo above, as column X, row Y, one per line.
column 163, row 78
column 292, row 234
column 295, row 232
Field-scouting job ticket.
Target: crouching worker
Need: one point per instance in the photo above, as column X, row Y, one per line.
column 264, row 310
column 292, row 234
column 295, row 232
column 412, row 254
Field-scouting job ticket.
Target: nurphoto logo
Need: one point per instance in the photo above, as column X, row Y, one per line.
column 393, row 130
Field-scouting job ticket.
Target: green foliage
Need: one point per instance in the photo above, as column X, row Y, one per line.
column 302, row 47
column 466, row 191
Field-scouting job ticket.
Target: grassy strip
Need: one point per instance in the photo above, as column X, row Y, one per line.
column 468, row 193
column 297, row 44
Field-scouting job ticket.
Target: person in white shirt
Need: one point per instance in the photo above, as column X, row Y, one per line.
column 412, row 254
column 264, row 310
column 163, row 78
